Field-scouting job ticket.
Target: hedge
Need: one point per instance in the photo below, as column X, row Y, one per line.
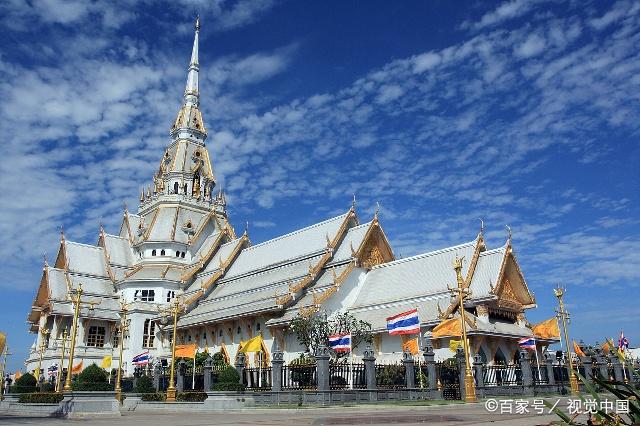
column 25, row 384
column 192, row 396
column 40, row 398
column 144, row 385
column 156, row 396
column 229, row 387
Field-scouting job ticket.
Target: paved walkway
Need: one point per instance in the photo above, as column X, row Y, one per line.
column 455, row 414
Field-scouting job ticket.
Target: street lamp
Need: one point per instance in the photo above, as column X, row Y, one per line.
column 76, row 300
column 174, row 309
column 4, row 367
column 124, row 326
column 65, row 335
column 462, row 293
column 564, row 316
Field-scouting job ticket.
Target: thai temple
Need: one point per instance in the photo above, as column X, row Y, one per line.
column 180, row 244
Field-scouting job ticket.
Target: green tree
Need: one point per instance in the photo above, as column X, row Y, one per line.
column 314, row 330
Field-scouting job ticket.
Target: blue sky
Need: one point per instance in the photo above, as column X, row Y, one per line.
column 523, row 113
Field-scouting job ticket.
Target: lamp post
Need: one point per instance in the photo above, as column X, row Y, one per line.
column 76, row 300
column 124, row 308
column 564, row 316
column 60, row 368
column 174, row 309
column 463, row 292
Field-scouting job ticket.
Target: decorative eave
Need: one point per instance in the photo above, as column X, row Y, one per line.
column 107, row 259
column 499, row 289
column 126, row 223
column 204, row 259
column 479, row 248
column 361, row 255
column 307, row 311
column 153, row 221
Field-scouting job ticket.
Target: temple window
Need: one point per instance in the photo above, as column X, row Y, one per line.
column 239, row 330
column 170, row 295
column 258, row 327
column 95, row 338
column 182, row 255
column 177, row 253
column 115, row 337
column 162, row 253
column 175, row 188
column 153, row 252
column 145, row 295
column 148, row 334
column 220, row 333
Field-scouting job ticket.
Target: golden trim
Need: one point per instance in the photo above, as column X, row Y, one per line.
column 153, row 221
column 175, row 223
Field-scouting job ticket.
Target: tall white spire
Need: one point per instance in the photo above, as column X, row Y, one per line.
column 191, row 91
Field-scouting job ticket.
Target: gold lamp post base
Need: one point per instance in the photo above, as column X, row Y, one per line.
column 469, row 390
column 171, row 394
column 573, row 382
column 119, row 395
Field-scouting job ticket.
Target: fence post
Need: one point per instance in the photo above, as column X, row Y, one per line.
column 276, row 371
column 157, row 371
column 409, row 372
column 240, row 366
column 477, row 367
column 527, row 374
column 206, row 371
column 369, row 359
column 182, row 369
column 588, row 368
column 462, row 365
column 617, row 369
column 136, row 374
column 429, row 360
column 322, row 368
column 548, row 363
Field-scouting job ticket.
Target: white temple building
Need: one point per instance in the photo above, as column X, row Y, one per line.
column 180, row 243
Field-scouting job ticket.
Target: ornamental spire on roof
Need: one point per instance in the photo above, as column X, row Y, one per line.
column 189, row 117
column 191, row 91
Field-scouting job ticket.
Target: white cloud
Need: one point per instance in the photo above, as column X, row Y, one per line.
column 532, row 46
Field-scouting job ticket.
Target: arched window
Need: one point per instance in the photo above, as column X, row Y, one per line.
column 175, row 188
column 162, row 252
column 153, row 252
column 182, row 255
column 177, row 253
column 239, row 330
column 185, row 188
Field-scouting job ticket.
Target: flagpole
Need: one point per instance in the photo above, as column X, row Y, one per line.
column 351, row 361
column 535, row 348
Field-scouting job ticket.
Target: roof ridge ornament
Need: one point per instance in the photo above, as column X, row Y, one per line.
column 481, row 226
column 353, row 203
column 509, row 234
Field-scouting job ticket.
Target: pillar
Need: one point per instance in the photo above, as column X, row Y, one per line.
column 527, row 374
column 369, row 359
column 618, row 375
column 277, row 361
column 240, row 366
column 462, row 365
column 430, row 361
column 548, row 364
column 206, row 370
column 587, row 363
column 409, row 371
column 601, row 363
column 182, row 369
column 322, row 368
column 477, row 368
column 157, row 372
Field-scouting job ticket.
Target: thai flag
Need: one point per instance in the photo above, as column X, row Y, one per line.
column 340, row 342
column 527, row 343
column 404, row 323
column 623, row 342
column 141, row 359
column 53, row 370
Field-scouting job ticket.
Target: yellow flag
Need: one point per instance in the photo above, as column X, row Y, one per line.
column 577, row 349
column 3, row 341
column 77, row 368
column 453, row 345
column 36, row 374
column 547, row 329
column 106, row 362
column 410, row 345
column 186, row 351
column 252, row 345
column 448, row 327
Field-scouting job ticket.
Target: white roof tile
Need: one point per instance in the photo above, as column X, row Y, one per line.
column 86, row 259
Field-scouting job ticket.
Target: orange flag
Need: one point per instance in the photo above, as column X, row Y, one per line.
column 186, row 351
column 577, row 349
column 448, row 327
column 547, row 329
column 77, row 368
column 410, row 345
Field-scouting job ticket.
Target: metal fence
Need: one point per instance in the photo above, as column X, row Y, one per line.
column 391, row 376
column 540, row 375
column 299, row 377
column 346, row 375
column 502, row 375
column 257, row 378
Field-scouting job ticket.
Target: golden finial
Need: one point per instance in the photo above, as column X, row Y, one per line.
column 124, row 205
column 509, row 233
column 457, row 263
column 353, row 203
column 246, row 228
column 197, row 26
column 481, row 225
column 326, row 236
column 141, row 195
column 44, row 258
column 375, row 215
column 62, row 233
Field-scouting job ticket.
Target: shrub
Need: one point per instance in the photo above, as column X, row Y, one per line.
column 47, row 387
column 144, row 385
column 25, row 384
column 192, row 396
column 126, row 385
column 229, row 375
column 156, row 396
column 92, row 374
column 228, row 387
column 218, row 359
column 390, row 375
column 40, row 398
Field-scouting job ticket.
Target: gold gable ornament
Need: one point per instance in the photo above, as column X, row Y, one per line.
column 374, row 258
